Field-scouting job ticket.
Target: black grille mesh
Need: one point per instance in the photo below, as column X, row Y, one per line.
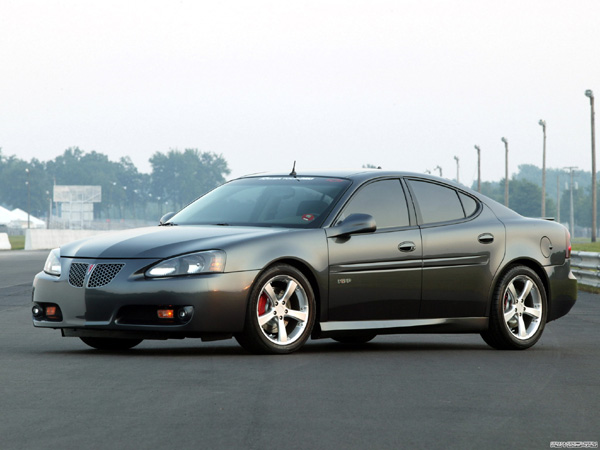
column 101, row 275
column 77, row 274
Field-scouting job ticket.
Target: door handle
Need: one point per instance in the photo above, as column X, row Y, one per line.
column 486, row 238
column 407, row 246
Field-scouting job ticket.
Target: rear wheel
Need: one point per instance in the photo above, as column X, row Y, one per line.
column 519, row 310
column 281, row 312
column 110, row 343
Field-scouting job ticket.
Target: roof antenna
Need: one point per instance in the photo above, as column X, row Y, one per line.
column 293, row 172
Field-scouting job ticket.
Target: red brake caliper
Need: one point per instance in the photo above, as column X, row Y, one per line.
column 262, row 304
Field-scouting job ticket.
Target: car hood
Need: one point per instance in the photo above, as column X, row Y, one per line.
column 161, row 242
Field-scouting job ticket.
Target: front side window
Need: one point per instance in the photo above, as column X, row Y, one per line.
column 302, row 202
column 384, row 200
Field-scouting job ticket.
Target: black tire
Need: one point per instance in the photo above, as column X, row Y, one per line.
column 110, row 343
column 354, row 340
column 281, row 312
column 518, row 310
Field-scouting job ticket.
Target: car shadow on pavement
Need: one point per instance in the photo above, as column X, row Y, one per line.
column 230, row 348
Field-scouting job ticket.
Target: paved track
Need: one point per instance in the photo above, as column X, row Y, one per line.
column 444, row 391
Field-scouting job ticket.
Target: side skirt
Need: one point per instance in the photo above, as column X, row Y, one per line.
column 441, row 325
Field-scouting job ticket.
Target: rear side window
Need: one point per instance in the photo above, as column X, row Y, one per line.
column 438, row 203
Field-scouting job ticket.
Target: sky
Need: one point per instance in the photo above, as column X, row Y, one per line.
column 405, row 85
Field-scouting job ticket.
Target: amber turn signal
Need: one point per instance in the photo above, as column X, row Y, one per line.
column 165, row 314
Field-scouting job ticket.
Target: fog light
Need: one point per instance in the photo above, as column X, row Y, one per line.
column 165, row 313
column 37, row 311
column 185, row 313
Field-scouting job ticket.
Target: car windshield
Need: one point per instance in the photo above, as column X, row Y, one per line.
column 302, row 202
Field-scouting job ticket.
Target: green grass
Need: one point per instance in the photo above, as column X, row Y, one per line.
column 17, row 242
column 584, row 245
column 590, row 289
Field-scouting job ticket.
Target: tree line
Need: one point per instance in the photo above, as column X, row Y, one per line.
column 177, row 178
column 525, row 194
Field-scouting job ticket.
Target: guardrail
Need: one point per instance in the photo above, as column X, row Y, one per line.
column 586, row 267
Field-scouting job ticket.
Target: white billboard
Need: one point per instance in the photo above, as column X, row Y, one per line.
column 77, row 203
column 81, row 194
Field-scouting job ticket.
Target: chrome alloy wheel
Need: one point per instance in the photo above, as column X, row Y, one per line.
column 282, row 310
column 523, row 308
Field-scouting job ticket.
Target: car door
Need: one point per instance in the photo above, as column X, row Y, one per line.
column 463, row 246
column 377, row 275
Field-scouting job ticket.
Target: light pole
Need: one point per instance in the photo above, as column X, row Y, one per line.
column 543, row 124
column 122, row 211
column 505, row 172
column 571, row 211
column 110, row 199
column 590, row 94
column 28, row 201
column 135, row 192
column 49, row 209
column 438, row 168
column 558, row 198
column 478, row 168
column 457, row 169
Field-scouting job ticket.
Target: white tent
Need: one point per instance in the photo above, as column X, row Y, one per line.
column 20, row 220
column 5, row 216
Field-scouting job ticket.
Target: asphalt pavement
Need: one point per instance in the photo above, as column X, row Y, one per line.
column 404, row 391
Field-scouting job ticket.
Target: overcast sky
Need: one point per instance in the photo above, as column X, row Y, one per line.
column 405, row 85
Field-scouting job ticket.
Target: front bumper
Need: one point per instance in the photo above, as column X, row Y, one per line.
column 128, row 304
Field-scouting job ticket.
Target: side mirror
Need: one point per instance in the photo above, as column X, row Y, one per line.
column 353, row 224
column 166, row 217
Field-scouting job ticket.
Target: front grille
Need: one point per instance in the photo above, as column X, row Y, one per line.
column 101, row 274
column 77, row 274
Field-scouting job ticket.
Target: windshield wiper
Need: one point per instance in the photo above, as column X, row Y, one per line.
column 167, row 224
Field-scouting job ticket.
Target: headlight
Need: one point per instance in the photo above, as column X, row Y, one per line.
column 52, row 266
column 193, row 263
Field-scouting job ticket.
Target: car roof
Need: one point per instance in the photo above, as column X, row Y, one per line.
column 359, row 175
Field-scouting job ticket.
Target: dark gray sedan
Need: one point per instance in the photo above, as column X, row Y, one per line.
column 275, row 259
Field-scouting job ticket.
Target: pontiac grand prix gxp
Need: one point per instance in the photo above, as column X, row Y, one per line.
column 275, row 259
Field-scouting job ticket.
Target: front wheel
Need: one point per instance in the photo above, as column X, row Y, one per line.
column 281, row 312
column 518, row 311
column 110, row 343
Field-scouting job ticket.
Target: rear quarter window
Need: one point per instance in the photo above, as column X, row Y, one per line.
column 437, row 203
column 469, row 204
